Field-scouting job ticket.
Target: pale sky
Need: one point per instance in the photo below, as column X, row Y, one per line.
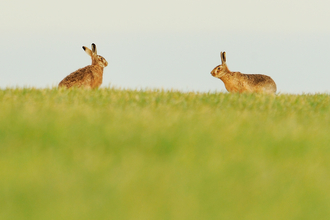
column 172, row 44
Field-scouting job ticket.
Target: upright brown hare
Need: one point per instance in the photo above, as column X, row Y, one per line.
column 88, row 77
column 239, row 82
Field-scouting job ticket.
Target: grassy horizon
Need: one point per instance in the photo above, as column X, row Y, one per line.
column 156, row 154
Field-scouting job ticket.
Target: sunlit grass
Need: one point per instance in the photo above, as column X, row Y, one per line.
column 154, row 154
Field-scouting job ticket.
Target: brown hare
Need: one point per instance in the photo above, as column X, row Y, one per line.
column 89, row 76
column 239, row 82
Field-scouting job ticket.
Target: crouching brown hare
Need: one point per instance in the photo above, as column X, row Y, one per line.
column 239, row 82
column 88, row 77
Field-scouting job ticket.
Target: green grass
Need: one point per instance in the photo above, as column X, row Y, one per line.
column 123, row 154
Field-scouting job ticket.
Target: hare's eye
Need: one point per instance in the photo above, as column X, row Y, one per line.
column 218, row 68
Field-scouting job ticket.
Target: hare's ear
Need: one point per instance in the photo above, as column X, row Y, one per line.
column 88, row 51
column 94, row 48
column 221, row 57
column 224, row 59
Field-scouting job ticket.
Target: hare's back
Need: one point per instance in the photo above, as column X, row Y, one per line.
column 258, row 79
column 81, row 77
column 261, row 82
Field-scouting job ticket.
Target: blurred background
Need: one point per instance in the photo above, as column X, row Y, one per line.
column 172, row 44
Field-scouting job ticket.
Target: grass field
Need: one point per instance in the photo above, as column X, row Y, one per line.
column 123, row 154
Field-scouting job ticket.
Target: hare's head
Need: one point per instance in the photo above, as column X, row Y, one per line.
column 96, row 59
column 222, row 69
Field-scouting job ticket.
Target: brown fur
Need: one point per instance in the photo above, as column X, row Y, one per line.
column 239, row 82
column 88, row 77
